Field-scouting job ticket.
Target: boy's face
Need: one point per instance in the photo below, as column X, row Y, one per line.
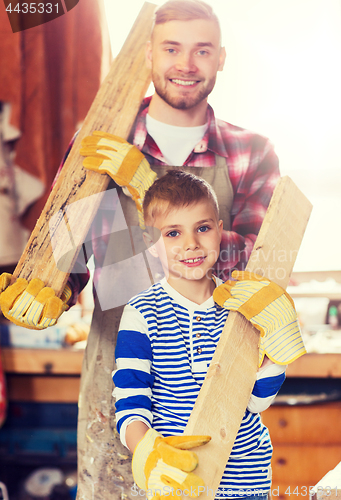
column 190, row 241
column 184, row 57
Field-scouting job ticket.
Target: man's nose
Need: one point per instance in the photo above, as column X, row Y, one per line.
column 185, row 63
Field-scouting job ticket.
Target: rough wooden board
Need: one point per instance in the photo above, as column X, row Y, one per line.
column 114, row 110
column 225, row 393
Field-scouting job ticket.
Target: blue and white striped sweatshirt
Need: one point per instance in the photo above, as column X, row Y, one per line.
column 164, row 347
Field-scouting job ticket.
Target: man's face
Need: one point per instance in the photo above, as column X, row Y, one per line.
column 184, row 57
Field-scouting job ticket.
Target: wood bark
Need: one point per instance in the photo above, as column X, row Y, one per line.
column 55, row 242
column 227, row 388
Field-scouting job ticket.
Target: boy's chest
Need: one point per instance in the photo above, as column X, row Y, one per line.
column 186, row 340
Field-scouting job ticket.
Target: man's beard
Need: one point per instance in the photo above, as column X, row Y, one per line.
column 178, row 101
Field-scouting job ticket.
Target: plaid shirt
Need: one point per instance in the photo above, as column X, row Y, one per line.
column 253, row 171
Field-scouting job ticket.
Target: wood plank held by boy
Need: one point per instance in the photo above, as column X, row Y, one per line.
column 114, row 110
column 225, row 393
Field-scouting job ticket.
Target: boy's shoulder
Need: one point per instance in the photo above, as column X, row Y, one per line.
column 161, row 293
column 149, row 296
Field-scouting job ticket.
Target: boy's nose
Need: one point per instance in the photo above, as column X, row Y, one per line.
column 191, row 242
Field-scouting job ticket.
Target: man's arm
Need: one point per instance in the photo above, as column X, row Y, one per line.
column 253, row 187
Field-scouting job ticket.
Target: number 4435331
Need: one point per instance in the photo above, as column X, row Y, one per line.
column 310, row 490
column 33, row 8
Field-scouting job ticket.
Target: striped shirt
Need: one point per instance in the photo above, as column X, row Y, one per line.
column 164, row 347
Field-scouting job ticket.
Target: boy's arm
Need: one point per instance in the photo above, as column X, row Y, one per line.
column 134, row 433
column 158, row 462
column 133, row 380
column 270, row 378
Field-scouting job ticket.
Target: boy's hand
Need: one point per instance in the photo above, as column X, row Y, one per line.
column 270, row 309
column 123, row 162
column 160, row 464
column 31, row 304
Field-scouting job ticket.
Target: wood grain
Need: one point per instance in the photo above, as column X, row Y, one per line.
column 75, row 198
column 225, row 393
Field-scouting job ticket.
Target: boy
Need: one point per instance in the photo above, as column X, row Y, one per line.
column 166, row 340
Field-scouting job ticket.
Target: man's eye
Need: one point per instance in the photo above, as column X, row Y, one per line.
column 202, row 52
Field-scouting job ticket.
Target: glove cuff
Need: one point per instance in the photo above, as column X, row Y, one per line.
column 142, row 451
column 66, row 295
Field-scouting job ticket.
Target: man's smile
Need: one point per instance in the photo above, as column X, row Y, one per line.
column 186, row 83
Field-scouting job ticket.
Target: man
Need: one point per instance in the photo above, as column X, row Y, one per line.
column 175, row 127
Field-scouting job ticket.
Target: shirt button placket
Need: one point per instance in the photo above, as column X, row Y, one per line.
column 198, row 335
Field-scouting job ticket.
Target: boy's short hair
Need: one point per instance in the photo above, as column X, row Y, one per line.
column 184, row 10
column 176, row 189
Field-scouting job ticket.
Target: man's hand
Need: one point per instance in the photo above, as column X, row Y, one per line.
column 124, row 163
column 270, row 309
column 31, row 304
column 160, row 464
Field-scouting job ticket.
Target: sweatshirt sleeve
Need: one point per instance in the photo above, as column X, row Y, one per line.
column 132, row 378
column 268, row 383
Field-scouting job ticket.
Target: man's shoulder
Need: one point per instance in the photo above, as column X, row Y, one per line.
column 233, row 135
column 233, row 132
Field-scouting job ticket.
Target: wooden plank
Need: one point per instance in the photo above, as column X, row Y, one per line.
column 225, row 393
column 42, row 361
column 114, row 110
column 40, row 389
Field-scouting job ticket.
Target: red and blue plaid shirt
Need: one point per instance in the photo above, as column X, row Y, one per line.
column 253, row 171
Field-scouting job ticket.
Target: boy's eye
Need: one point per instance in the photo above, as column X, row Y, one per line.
column 173, row 234
column 203, row 229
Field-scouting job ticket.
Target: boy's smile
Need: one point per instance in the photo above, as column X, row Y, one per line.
column 189, row 245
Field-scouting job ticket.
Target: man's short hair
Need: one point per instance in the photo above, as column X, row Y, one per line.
column 176, row 189
column 184, row 10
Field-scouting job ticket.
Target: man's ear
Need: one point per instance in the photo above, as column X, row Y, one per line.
column 222, row 57
column 150, row 244
column 149, row 55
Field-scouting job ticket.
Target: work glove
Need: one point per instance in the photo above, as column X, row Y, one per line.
column 160, row 464
column 123, row 162
column 270, row 309
column 31, row 304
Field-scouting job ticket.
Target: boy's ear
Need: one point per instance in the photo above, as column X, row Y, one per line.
column 147, row 238
column 220, row 227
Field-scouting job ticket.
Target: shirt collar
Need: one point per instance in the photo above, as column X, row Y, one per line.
column 212, row 139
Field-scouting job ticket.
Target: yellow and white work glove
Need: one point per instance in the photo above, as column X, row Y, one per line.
column 163, row 466
column 31, row 304
column 123, row 162
column 270, row 309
